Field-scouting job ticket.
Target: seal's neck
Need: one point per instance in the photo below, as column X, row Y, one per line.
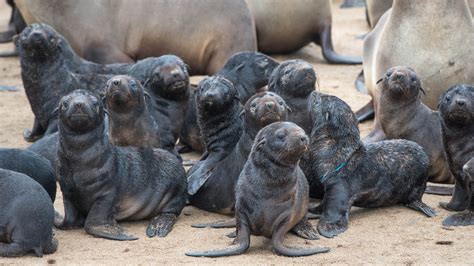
column 391, row 108
column 276, row 173
column 246, row 140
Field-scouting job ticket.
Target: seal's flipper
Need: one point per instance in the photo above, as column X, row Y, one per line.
column 422, row 207
column 7, row 36
column 109, row 231
column 72, row 217
column 9, row 54
column 460, row 219
column 330, row 229
column 366, row 113
column 35, row 133
column 360, row 83
column 305, row 229
column 439, row 190
column 325, row 40
column 198, row 178
column 336, row 207
column 279, row 248
column 232, row 234
column 161, row 225
column 312, row 216
column 459, row 201
column 13, row 250
column 317, row 211
column 231, row 223
column 7, row 88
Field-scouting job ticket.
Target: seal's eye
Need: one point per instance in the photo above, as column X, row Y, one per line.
column 281, row 136
column 95, row 105
column 389, row 73
column 254, row 105
column 413, row 78
column 280, row 103
column 65, row 104
column 448, row 98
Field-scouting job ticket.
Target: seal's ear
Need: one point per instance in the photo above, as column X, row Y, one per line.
column 288, row 108
column 422, row 90
column 146, row 95
column 15, row 39
column 242, row 113
column 103, row 102
column 260, row 143
column 55, row 112
column 239, row 67
column 378, row 81
column 145, row 82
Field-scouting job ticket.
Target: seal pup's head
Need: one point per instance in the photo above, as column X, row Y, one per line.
column 294, row 78
column 456, row 105
column 80, row 111
column 401, row 82
column 216, row 94
column 39, row 42
column 170, row 78
column 265, row 108
column 124, row 93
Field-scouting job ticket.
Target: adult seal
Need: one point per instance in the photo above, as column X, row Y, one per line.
column 437, row 49
column 130, row 121
column 456, row 112
column 218, row 193
column 32, row 165
column 205, row 46
column 272, row 192
column 220, row 124
column 27, row 215
column 102, row 183
column 294, row 80
column 382, row 174
column 403, row 116
column 284, row 27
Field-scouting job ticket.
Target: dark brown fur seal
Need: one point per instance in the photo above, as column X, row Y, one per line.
column 403, row 116
column 218, row 111
column 130, row 121
column 370, row 176
column 271, row 193
column 218, row 193
column 103, row 184
column 456, row 112
column 294, row 80
column 27, row 215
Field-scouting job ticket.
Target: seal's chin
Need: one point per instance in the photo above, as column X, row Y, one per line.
column 119, row 98
column 79, row 121
column 459, row 116
column 269, row 118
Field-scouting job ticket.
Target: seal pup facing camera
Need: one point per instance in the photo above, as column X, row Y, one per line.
column 218, row 193
column 456, row 112
column 102, row 183
column 403, row 116
column 130, row 121
column 27, row 215
column 376, row 175
column 220, row 124
column 271, row 193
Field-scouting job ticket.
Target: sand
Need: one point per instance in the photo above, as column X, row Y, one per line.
column 387, row 235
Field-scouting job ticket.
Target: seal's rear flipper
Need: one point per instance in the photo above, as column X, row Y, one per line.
column 13, row 250
column 360, row 83
column 332, row 229
column 422, row 207
column 305, row 229
column 460, row 219
column 7, row 36
column 231, row 223
column 161, row 225
column 365, row 113
column 439, row 190
column 325, row 40
column 112, row 232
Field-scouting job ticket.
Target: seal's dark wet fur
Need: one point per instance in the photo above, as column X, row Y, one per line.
column 375, row 175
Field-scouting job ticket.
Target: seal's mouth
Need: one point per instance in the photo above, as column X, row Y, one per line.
column 178, row 85
column 118, row 97
column 458, row 115
column 269, row 117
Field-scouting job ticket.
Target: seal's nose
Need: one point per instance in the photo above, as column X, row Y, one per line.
column 116, row 82
column 460, row 102
column 399, row 76
column 36, row 35
column 79, row 104
column 269, row 105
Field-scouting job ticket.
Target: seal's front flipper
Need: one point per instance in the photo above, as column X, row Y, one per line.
column 14, row 250
column 231, row 223
column 72, row 217
column 439, row 190
column 336, row 207
column 35, row 133
column 330, row 229
column 305, row 229
column 422, row 207
column 460, row 219
column 366, row 112
column 460, row 200
column 109, row 231
column 161, row 225
column 198, row 178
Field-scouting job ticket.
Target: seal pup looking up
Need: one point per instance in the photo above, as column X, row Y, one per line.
column 456, row 112
column 272, row 192
column 102, row 183
column 376, row 175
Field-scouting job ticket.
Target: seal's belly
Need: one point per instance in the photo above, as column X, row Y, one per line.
column 143, row 206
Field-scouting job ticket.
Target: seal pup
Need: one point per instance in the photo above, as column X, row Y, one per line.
column 102, row 183
column 375, row 175
column 271, row 193
column 294, row 80
column 27, row 215
column 456, row 113
column 403, row 116
column 218, row 193
column 130, row 121
column 218, row 110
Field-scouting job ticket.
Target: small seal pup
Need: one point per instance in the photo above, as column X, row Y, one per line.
column 26, row 217
column 294, row 80
column 456, row 112
column 271, row 193
column 102, row 183
column 370, row 176
column 220, row 124
column 402, row 115
column 130, row 121
column 32, row 165
column 218, row 193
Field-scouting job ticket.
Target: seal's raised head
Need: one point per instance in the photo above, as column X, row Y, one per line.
column 265, row 108
column 39, row 41
column 252, row 64
column 401, row 82
column 80, row 111
column 170, row 79
column 293, row 77
column 123, row 93
column 282, row 142
column 456, row 105
column 216, row 94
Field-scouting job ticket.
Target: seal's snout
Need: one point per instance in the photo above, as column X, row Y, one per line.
column 461, row 102
column 269, row 105
column 79, row 105
column 116, row 82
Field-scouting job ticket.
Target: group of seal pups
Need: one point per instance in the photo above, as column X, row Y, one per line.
column 270, row 141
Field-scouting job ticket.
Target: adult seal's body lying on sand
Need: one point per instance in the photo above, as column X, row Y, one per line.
column 403, row 116
column 220, row 124
column 248, row 71
column 286, row 26
column 224, row 28
column 437, row 48
column 456, row 112
column 218, row 193
column 32, row 165
column 103, row 184
column 26, row 217
column 272, row 192
column 370, row 176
